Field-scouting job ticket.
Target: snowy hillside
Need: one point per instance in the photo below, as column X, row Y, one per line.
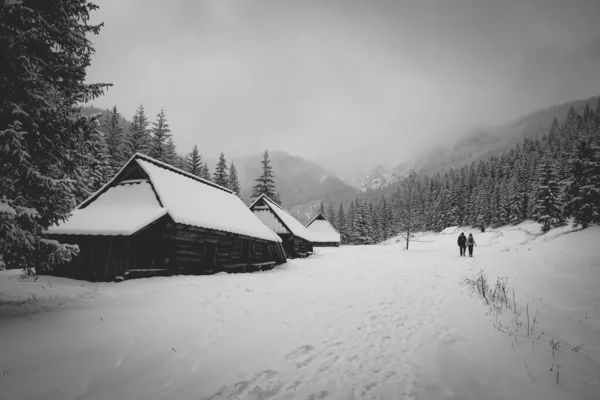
column 381, row 177
column 300, row 182
column 363, row 322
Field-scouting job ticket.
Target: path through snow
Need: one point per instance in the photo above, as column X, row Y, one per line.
column 365, row 322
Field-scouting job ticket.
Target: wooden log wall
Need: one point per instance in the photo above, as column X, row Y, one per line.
column 179, row 248
column 195, row 250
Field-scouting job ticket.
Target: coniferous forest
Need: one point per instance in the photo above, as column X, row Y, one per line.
column 550, row 178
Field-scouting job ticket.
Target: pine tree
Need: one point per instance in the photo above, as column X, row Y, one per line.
column 220, row 176
column 322, row 208
column 584, row 190
column 386, row 219
column 194, row 162
column 160, row 136
column 360, row 230
column 234, row 183
column 90, row 169
column 341, row 223
column 44, row 53
column 206, row 172
column 373, row 224
column 138, row 139
column 350, row 217
column 114, row 140
column 171, row 157
column 548, row 206
column 331, row 215
column 265, row 183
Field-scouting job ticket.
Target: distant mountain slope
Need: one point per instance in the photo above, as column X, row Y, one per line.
column 381, row 177
column 484, row 143
column 474, row 146
column 301, row 183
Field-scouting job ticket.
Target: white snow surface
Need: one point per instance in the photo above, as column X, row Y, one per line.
column 360, row 322
column 194, row 203
column 322, row 231
column 121, row 210
column 450, row 230
column 6, row 209
column 290, row 221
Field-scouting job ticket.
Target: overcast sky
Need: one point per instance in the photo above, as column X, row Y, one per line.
column 349, row 84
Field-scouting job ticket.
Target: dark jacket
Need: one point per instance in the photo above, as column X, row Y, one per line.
column 470, row 241
column 462, row 240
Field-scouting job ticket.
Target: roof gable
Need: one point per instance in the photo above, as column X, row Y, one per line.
column 131, row 166
column 322, row 229
column 286, row 219
column 122, row 210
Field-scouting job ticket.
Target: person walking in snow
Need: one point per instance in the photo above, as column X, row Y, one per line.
column 462, row 243
column 471, row 243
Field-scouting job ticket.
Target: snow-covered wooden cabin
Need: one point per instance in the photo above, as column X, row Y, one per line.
column 297, row 240
column 324, row 234
column 152, row 218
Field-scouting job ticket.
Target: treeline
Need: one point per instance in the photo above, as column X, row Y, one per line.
column 549, row 179
column 114, row 146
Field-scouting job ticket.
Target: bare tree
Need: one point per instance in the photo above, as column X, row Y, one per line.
column 408, row 205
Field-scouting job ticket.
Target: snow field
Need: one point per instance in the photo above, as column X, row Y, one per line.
column 361, row 322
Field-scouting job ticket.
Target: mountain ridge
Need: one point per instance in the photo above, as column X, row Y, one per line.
column 478, row 144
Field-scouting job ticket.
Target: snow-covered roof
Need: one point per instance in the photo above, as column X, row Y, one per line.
column 186, row 198
column 123, row 210
column 289, row 222
column 192, row 202
column 322, row 230
column 269, row 218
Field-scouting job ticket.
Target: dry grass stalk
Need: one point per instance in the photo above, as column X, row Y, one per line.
column 554, row 345
column 527, row 368
column 577, row 348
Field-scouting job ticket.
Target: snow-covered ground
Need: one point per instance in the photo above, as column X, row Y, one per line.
column 364, row 322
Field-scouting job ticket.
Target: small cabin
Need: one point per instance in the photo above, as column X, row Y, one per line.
column 324, row 234
column 155, row 219
column 297, row 240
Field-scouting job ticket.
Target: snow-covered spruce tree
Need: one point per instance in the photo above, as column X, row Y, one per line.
column 160, row 136
column 265, row 183
column 548, row 206
column 90, row 167
column 43, row 69
column 194, row 162
column 350, row 216
column 138, row 138
column 360, row 234
column 331, row 214
column 386, row 219
column 322, row 208
column 374, row 224
column 341, row 222
column 584, row 189
column 220, row 176
column 113, row 134
column 504, row 202
column 234, row 182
